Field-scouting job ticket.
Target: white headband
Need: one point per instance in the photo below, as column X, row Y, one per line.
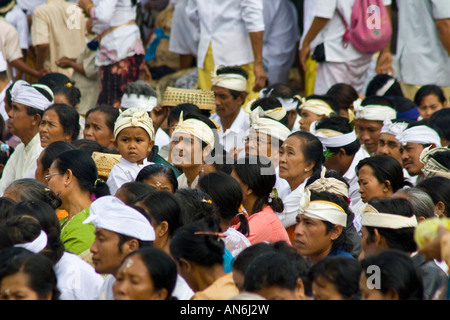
column 268, row 126
column 110, row 213
column 231, row 81
column 331, row 185
column 197, row 128
column 371, row 217
column 277, row 113
column 138, row 101
column 287, row 103
column 419, row 134
column 24, row 93
column 134, row 117
column 331, row 138
column 37, row 245
column 316, row 106
column 385, row 87
column 322, row 210
column 394, row 128
column 374, row 112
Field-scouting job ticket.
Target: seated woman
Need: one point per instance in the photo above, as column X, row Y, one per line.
column 159, row 176
column 99, row 125
column 59, row 123
column 256, row 175
column 379, row 176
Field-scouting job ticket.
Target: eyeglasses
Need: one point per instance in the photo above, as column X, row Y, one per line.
column 49, row 176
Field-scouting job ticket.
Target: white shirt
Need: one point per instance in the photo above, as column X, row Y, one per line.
column 2, row 102
column 122, row 172
column 21, row 162
column 184, row 35
column 225, row 24
column 280, row 38
column 29, row 5
column 235, row 241
column 77, row 279
column 331, row 34
column 291, row 204
column 106, row 290
column 281, row 184
column 233, row 136
column 182, row 291
column 419, row 44
column 18, row 19
column 183, row 182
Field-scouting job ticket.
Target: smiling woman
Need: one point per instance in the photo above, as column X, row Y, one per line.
column 59, row 123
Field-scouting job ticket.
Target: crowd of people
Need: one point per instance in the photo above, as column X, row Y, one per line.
column 223, row 150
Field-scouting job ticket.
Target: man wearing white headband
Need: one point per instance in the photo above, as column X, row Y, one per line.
column 230, row 33
column 320, row 224
column 370, row 114
column 134, row 139
column 413, row 141
column 4, row 84
column 28, row 104
column 390, row 224
column 229, row 86
column 119, row 230
column 265, row 138
column 342, row 152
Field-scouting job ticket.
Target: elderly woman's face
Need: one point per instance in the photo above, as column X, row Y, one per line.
column 97, row 129
column 51, row 130
column 292, row 160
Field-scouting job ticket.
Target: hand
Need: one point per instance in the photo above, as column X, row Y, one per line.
column 158, row 115
column 384, row 63
column 84, row 4
column 42, row 72
column 304, row 54
column 65, row 62
column 144, row 73
column 260, row 77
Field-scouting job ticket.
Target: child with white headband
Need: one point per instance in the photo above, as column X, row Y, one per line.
column 134, row 139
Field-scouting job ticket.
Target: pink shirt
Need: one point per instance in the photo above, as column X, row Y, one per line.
column 266, row 226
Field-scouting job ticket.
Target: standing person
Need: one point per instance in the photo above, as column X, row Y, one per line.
column 234, row 39
column 119, row 230
column 73, row 177
column 339, row 63
column 301, row 155
column 256, row 175
column 120, row 54
column 431, row 56
column 58, row 28
column 134, row 139
column 27, row 108
column 198, row 252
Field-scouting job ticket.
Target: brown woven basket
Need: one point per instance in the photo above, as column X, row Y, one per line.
column 202, row 99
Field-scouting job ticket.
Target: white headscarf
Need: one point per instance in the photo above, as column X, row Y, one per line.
column 431, row 167
column 24, row 93
column 134, row 117
column 316, row 106
column 268, row 126
column 197, row 128
column 322, row 210
column 371, row 217
column 419, row 134
column 37, row 245
column 331, row 138
column 276, row 113
column 287, row 103
column 374, row 112
column 138, row 101
column 331, row 185
column 110, row 213
column 231, row 81
column 394, row 128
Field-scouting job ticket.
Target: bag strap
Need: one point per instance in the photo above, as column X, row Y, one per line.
column 345, row 40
